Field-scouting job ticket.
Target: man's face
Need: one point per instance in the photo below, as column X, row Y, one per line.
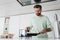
column 37, row 11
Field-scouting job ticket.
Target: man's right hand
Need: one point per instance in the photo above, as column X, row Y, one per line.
column 27, row 28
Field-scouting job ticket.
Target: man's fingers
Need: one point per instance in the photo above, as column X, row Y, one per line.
column 40, row 32
column 27, row 28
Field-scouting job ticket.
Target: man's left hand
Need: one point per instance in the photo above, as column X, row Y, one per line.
column 43, row 31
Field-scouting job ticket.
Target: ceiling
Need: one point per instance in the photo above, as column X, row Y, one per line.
column 12, row 7
column 7, row 6
column 3, row 2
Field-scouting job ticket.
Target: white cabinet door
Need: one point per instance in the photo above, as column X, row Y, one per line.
column 1, row 25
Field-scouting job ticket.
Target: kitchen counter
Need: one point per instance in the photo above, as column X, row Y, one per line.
column 31, row 38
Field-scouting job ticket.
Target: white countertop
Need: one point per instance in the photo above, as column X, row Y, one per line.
column 31, row 38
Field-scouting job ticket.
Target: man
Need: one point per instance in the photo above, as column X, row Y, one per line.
column 39, row 23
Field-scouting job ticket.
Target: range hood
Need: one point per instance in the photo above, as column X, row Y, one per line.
column 30, row 2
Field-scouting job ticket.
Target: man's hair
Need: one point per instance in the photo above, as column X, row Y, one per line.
column 38, row 6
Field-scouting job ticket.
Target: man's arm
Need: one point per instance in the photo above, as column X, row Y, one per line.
column 48, row 27
column 45, row 30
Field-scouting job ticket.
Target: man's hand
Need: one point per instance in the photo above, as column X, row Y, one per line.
column 27, row 28
column 45, row 30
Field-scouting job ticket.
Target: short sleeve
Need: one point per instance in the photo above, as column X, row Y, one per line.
column 48, row 23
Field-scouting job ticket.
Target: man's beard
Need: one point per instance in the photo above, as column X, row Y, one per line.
column 38, row 14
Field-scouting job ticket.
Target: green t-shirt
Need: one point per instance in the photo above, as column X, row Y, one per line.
column 38, row 23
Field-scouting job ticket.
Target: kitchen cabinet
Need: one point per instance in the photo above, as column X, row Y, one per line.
column 1, row 25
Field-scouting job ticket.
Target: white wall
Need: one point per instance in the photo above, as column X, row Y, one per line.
column 14, row 25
